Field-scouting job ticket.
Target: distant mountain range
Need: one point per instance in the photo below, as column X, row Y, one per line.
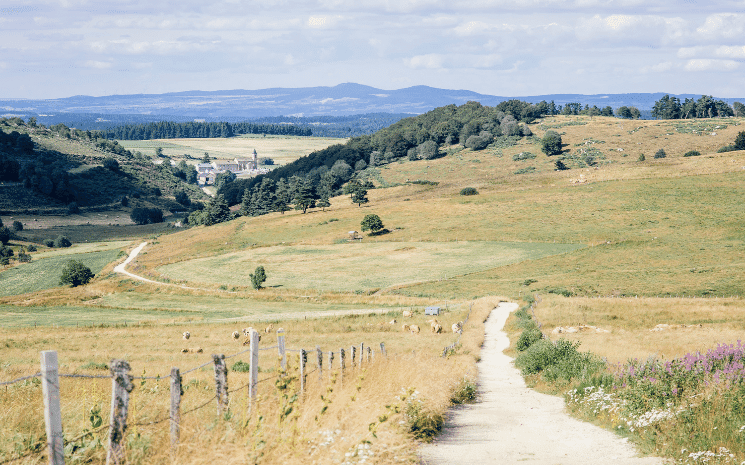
column 234, row 105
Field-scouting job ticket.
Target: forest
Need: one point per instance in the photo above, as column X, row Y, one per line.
column 195, row 129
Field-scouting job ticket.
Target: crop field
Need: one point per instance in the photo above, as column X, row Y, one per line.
column 358, row 267
column 281, row 149
column 44, row 273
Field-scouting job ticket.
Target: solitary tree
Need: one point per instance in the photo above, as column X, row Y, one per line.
column 359, row 196
column 372, row 223
column 258, row 277
column 551, row 143
column 75, row 274
column 740, row 141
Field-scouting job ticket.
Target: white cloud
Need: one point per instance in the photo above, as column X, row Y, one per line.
column 730, row 52
column 704, row 64
column 723, row 25
column 429, row 61
column 630, row 29
column 98, row 64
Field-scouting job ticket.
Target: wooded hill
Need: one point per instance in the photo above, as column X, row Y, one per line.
column 171, row 130
column 58, row 169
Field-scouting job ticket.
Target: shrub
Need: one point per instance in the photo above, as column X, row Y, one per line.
column 17, row 226
column 528, row 338
column 4, row 235
column 62, row 241
column 183, row 198
column 479, row 142
column 560, row 166
column 258, row 277
column 49, row 243
column 464, row 391
column 75, row 273
column 692, row 153
column 110, row 163
column 31, row 248
column 5, row 261
column 6, row 252
column 740, row 141
column 522, row 156
column 143, row 215
column 727, row 148
column 641, row 157
column 73, row 209
column 660, row 154
column 241, row 366
column 551, row 143
column 23, row 257
column 557, row 360
column 469, row 191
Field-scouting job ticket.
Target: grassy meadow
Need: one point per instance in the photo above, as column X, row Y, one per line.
column 281, row 149
column 613, row 242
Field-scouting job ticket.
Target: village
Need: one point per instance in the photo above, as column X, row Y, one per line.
column 207, row 172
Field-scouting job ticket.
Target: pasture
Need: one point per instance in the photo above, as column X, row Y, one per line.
column 282, row 149
column 357, row 267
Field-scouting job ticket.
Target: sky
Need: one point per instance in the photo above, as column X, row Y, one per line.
column 54, row 49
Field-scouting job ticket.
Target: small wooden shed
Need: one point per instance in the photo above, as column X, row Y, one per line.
column 432, row 310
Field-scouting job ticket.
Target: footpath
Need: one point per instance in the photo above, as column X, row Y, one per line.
column 511, row 424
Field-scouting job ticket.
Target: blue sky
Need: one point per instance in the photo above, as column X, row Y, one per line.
column 51, row 49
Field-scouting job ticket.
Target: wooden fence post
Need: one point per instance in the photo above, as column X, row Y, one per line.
column 52, row 412
column 176, row 392
column 281, row 348
column 121, row 386
column 331, row 363
column 353, row 349
column 221, row 382
column 362, row 353
column 254, row 367
column 319, row 353
column 342, row 364
column 369, row 354
column 382, row 349
column 303, row 359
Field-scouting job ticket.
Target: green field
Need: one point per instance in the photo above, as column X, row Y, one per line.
column 358, row 266
column 45, row 273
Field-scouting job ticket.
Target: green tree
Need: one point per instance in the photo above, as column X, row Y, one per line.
column 258, row 277
column 62, row 241
column 635, row 113
column 159, row 152
column 372, row 223
column 551, row 143
column 738, row 109
column 17, row 226
column 359, row 195
column 607, row 111
column 624, row 112
column 667, row 108
column 740, row 141
column 110, row 163
column 217, row 210
column 303, row 197
column 660, row 154
column 75, row 273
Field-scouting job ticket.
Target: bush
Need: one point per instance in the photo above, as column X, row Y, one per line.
column 727, row 148
column 528, row 338
column 31, row 248
column 522, row 156
column 692, row 153
column 110, row 163
column 73, row 209
column 479, row 142
column 75, row 274
column 23, row 257
column 740, row 141
column 62, row 241
column 464, row 391
column 641, row 157
column 183, row 198
column 241, row 366
column 4, row 235
column 557, row 360
column 17, row 226
column 469, row 191
column 5, row 261
column 6, row 252
column 49, row 243
column 143, row 215
column 258, row 277
column 660, row 154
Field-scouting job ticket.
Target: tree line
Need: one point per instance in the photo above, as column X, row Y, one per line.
column 705, row 107
column 195, row 129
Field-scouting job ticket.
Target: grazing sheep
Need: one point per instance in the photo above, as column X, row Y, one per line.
column 186, row 335
column 407, row 314
column 405, row 327
column 437, row 328
column 269, row 328
column 192, row 350
column 392, row 322
column 414, row 329
column 236, row 334
column 247, row 340
column 457, row 327
column 247, row 331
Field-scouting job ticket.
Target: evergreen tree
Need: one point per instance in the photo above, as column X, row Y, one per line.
column 359, row 195
column 217, row 211
column 303, row 197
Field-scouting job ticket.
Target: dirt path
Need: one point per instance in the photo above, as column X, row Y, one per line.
column 514, row 424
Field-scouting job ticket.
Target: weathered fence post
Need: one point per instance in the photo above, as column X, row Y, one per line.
column 342, row 364
column 331, row 363
column 319, row 353
column 303, row 359
column 281, row 348
column 121, row 386
column 362, row 353
column 369, row 354
column 221, row 382
column 254, row 368
column 52, row 412
column 353, row 349
column 176, row 392
column 382, row 349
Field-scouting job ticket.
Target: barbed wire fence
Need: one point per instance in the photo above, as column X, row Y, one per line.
column 123, row 387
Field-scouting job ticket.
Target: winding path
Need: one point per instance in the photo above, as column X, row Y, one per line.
column 513, row 424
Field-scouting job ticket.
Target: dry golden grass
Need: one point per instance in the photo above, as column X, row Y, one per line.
column 629, row 320
column 352, row 403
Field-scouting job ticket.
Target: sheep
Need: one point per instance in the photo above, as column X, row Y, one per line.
column 414, row 329
column 457, row 327
column 236, row 334
column 407, row 314
column 247, row 340
column 437, row 328
column 392, row 322
column 269, row 328
column 186, row 335
column 405, row 328
column 192, row 350
column 247, row 331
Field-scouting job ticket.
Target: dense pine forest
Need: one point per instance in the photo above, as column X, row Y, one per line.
column 193, row 129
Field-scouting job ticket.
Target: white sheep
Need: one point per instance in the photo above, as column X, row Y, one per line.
column 457, row 327
column 407, row 314
column 192, row 350
column 414, row 329
column 269, row 328
column 437, row 328
column 186, row 335
column 392, row 322
column 236, row 334
column 405, row 328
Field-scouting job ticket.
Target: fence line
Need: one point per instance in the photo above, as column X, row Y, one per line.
column 122, row 387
